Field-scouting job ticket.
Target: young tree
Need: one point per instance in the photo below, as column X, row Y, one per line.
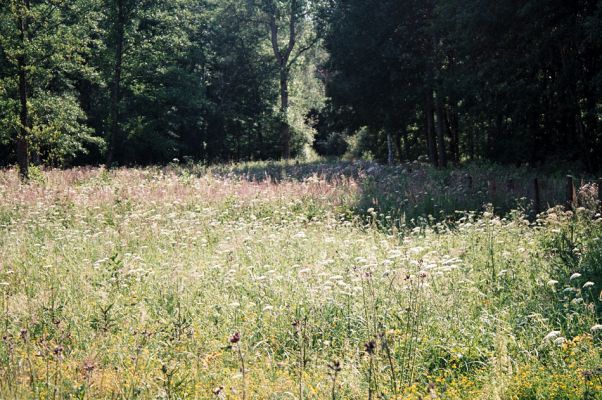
column 41, row 43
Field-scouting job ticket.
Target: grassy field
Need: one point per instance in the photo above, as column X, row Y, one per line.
column 312, row 281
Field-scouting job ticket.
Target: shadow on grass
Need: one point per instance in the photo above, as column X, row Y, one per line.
column 413, row 194
column 279, row 171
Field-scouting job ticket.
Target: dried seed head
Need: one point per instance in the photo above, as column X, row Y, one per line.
column 370, row 347
column 334, row 366
column 297, row 325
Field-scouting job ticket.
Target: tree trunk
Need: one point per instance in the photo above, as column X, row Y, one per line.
column 454, row 134
column 285, row 130
column 283, row 58
column 441, row 128
column 390, row 158
column 398, row 145
column 430, row 128
column 22, row 136
column 115, row 134
column 406, row 143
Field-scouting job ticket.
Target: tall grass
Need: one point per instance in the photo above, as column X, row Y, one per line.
column 221, row 283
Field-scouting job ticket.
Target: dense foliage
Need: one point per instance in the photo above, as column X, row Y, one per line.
column 498, row 79
column 145, row 81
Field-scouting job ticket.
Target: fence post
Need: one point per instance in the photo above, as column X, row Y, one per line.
column 537, row 196
column 570, row 193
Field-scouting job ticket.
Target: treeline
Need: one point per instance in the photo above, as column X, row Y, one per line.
column 144, row 81
column 503, row 80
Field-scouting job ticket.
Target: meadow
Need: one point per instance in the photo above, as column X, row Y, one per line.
column 298, row 281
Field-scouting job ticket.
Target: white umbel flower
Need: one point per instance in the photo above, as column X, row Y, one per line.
column 576, row 275
column 588, row 285
column 552, row 335
column 597, row 328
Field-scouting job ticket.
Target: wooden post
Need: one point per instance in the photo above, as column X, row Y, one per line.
column 570, row 193
column 537, row 196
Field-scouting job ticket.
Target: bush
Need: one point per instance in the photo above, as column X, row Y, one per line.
column 334, row 145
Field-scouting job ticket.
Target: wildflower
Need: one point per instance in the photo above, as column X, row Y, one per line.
column 235, row 338
column 415, row 250
column 576, row 275
column 597, row 328
column 552, row 283
column 577, row 300
column 89, row 366
column 588, row 285
column 552, row 335
column 370, row 347
column 560, row 341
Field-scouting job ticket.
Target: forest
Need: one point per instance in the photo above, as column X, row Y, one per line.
column 140, row 82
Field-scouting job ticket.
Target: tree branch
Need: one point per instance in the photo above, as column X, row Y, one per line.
column 302, row 50
column 273, row 25
column 292, row 39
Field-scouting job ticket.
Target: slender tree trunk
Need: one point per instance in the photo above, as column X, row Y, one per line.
column 115, row 134
column 398, row 145
column 285, row 130
column 390, row 157
column 471, row 145
column 430, row 128
column 22, row 138
column 23, row 135
column 454, row 133
column 406, row 142
column 441, row 129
